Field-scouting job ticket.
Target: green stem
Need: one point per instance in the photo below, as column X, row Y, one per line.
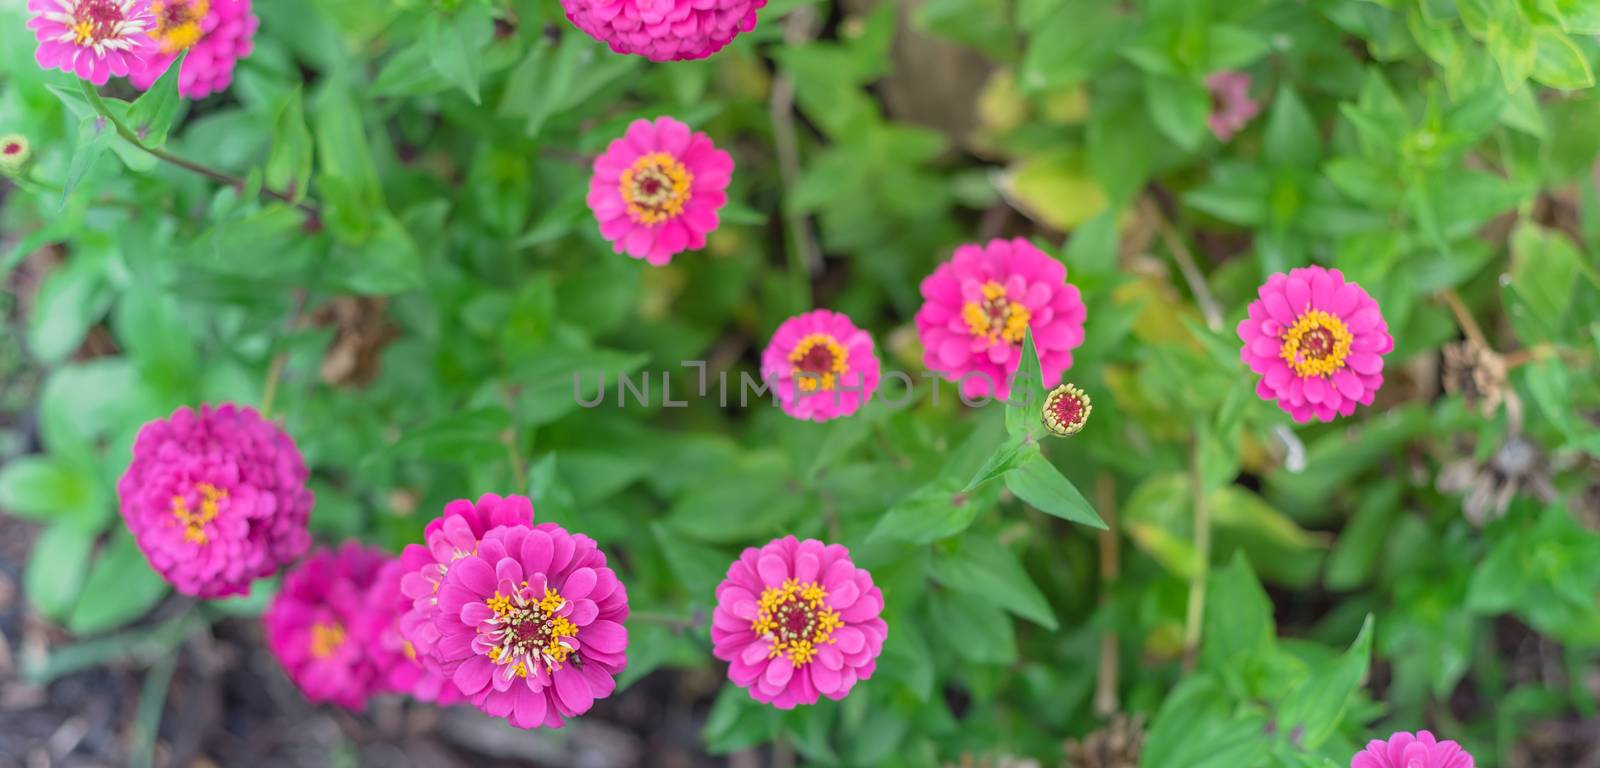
column 1202, row 549
column 227, row 179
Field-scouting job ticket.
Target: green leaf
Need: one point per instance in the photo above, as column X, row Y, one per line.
column 1544, row 272
column 1560, row 63
column 1292, row 138
column 121, row 588
column 1197, row 728
column 151, row 116
column 1056, row 188
column 40, row 488
column 1512, row 43
column 1043, row 487
column 455, row 44
column 985, row 569
column 1362, row 541
column 56, row 568
column 1317, row 708
column 1238, row 624
column 1027, row 393
column 936, row 511
column 70, row 301
column 1010, row 455
column 288, row 166
column 1179, row 107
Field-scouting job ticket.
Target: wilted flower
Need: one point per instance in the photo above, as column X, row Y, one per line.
column 979, row 305
column 216, row 499
column 1404, row 750
column 1231, row 106
column 216, row 33
column 1117, row 745
column 93, row 39
column 1487, row 488
column 313, row 626
column 532, row 625
column 1066, row 410
column 14, row 155
column 656, row 191
column 1477, row 374
column 1318, row 343
column 664, row 30
column 823, row 366
column 796, row 620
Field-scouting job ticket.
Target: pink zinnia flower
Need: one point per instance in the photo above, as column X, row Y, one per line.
column 93, row 39
column 796, row 620
column 1231, row 106
column 216, row 499
column 656, row 191
column 978, row 306
column 312, row 626
column 1317, row 342
column 450, row 537
column 400, row 670
column 664, row 30
column 1403, row 750
column 216, row 33
column 532, row 625
column 821, row 366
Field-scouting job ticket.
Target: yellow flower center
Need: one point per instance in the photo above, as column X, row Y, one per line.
column 194, row 522
column 178, row 23
column 794, row 619
column 326, row 637
column 1317, row 344
column 655, row 187
column 526, row 632
column 97, row 21
column 818, row 361
column 995, row 317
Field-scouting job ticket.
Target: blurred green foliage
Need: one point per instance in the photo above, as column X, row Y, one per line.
column 1440, row 153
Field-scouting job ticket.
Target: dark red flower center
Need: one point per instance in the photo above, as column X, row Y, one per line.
column 795, row 621
column 817, row 359
column 13, row 149
column 1068, row 409
column 1317, row 343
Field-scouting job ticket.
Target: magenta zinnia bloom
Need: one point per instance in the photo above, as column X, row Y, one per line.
column 532, row 625
column 216, row 33
column 312, row 625
column 216, row 499
column 400, row 670
column 656, row 191
column 664, row 30
column 978, row 306
column 796, row 620
column 450, row 537
column 1318, row 343
column 1231, row 106
column 821, row 366
column 93, row 39
column 1404, row 750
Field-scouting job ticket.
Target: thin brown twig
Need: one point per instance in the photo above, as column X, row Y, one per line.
column 1105, row 689
column 1209, row 308
column 1464, row 318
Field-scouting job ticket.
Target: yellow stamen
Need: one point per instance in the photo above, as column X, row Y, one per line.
column 326, row 637
column 655, row 188
column 194, row 523
column 795, row 621
column 996, row 317
column 1317, row 344
column 818, row 361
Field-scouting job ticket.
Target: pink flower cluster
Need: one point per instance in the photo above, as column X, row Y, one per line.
column 664, row 30
column 1406, row 750
column 216, row 499
column 318, row 625
column 140, row 39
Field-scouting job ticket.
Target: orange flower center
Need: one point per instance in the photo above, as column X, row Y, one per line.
column 996, row 317
column 818, row 361
column 178, row 23
column 326, row 637
column 194, row 521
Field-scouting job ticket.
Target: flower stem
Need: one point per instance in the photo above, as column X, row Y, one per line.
column 1105, row 689
column 1202, row 549
column 227, row 179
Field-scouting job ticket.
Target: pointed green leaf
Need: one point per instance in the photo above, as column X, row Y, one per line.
column 1042, row 486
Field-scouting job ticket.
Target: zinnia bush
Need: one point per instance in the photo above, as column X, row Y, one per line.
column 1074, row 383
